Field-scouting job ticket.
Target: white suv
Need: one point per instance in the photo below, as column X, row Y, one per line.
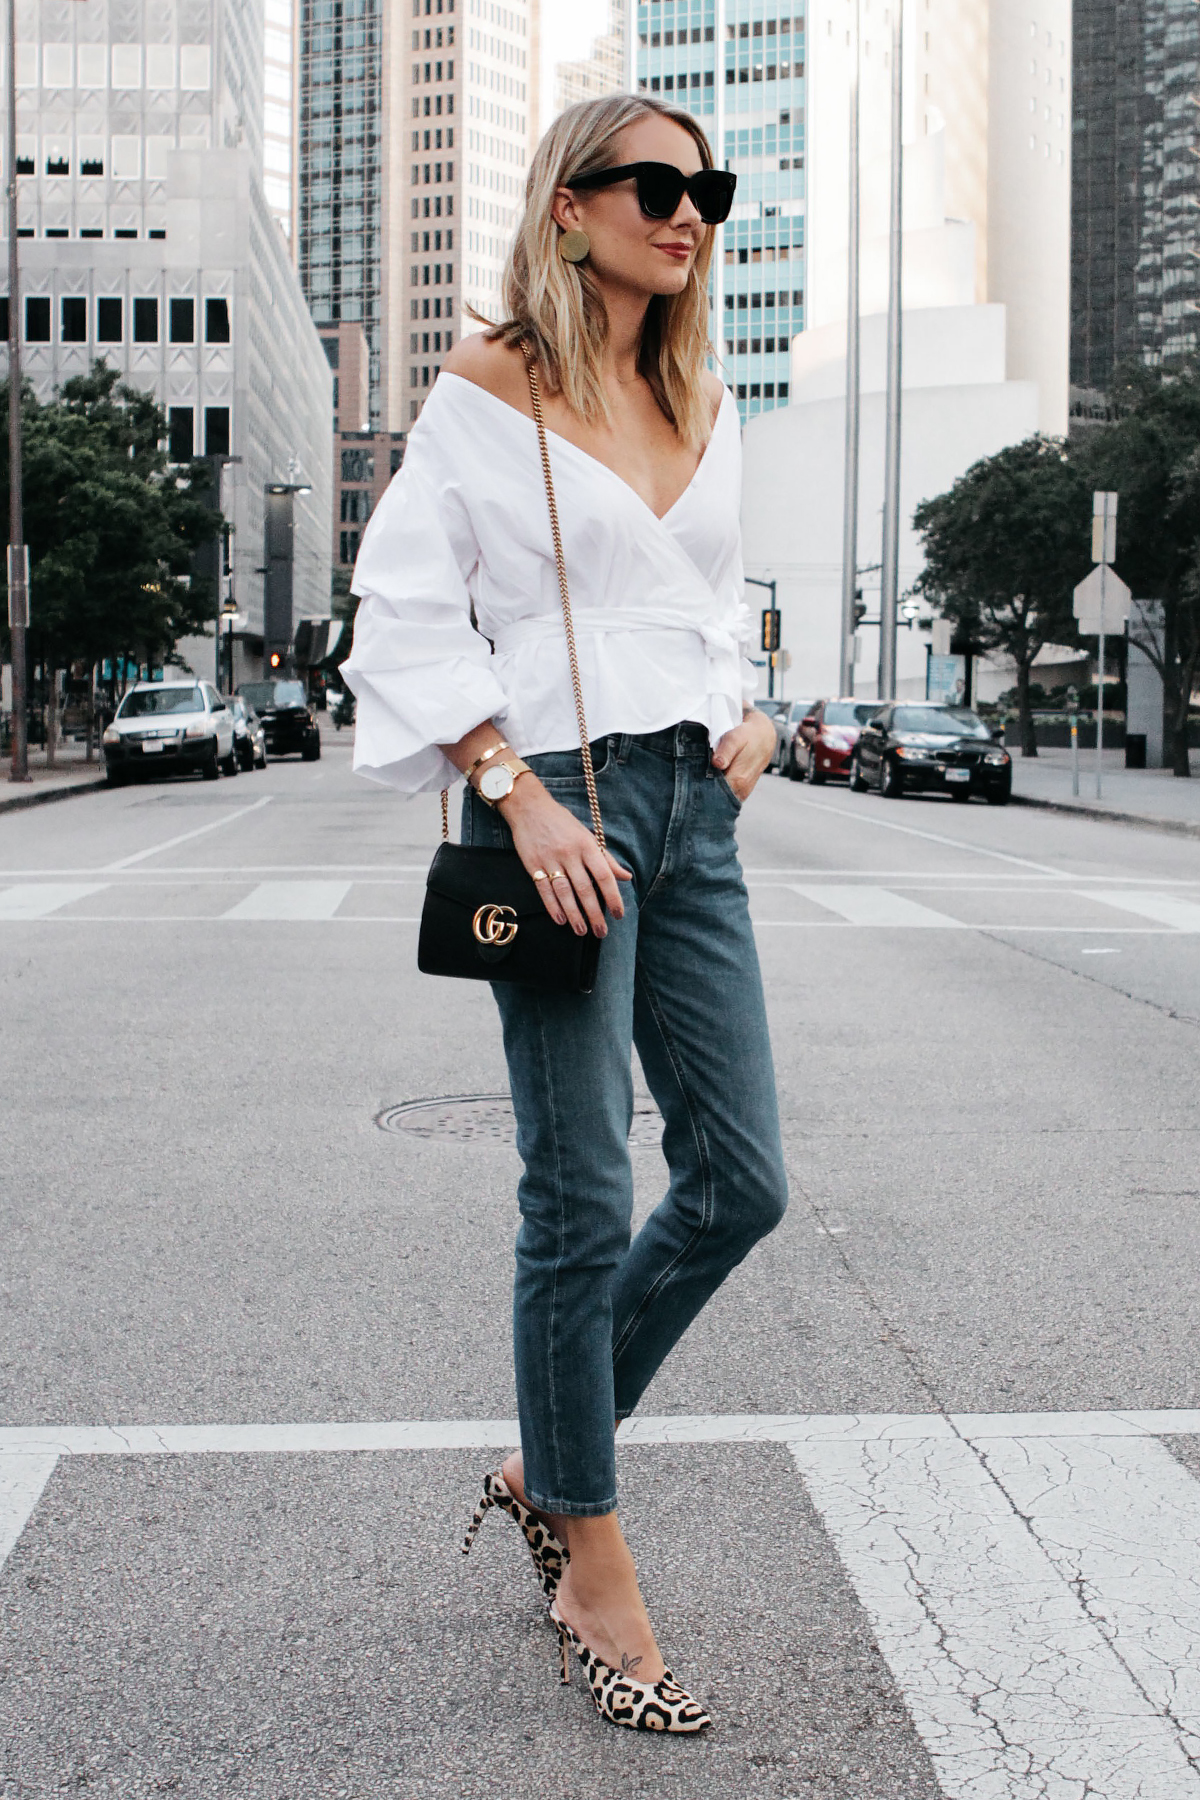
column 170, row 727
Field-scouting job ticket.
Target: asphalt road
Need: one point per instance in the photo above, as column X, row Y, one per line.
column 986, row 1029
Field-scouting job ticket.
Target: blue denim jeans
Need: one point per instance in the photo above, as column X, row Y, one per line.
column 594, row 1314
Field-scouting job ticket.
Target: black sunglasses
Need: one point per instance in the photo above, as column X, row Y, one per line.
column 661, row 186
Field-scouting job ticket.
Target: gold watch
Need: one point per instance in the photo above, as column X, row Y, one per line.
column 499, row 779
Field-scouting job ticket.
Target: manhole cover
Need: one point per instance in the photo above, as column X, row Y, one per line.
column 488, row 1119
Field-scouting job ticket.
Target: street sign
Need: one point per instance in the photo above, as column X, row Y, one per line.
column 1104, row 528
column 1103, row 587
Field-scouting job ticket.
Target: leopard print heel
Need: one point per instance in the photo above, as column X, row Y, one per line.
column 549, row 1555
column 638, row 1705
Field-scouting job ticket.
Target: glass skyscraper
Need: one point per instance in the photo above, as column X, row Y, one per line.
column 738, row 66
column 1135, row 251
column 341, row 169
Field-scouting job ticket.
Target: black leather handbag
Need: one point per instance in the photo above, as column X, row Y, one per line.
column 483, row 918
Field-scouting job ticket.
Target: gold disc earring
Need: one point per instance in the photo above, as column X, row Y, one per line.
column 574, row 246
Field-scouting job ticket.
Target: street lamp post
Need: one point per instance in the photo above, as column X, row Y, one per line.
column 890, row 580
column 853, row 385
column 18, row 557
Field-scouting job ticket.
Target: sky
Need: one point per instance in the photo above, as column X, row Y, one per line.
column 568, row 27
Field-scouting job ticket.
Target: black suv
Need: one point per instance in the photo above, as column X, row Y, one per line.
column 286, row 717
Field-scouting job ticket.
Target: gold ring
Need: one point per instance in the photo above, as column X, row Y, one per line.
column 540, row 875
column 558, row 875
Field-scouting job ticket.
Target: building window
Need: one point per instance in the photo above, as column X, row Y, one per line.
column 183, row 321
column 145, row 321
column 358, row 465
column 332, row 350
column 216, row 321
column 109, row 321
column 216, row 431
column 356, row 506
column 397, row 459
column 348, row 548
column 37, row 319
column 181, row 433
column 73, row 323
column 3, row 316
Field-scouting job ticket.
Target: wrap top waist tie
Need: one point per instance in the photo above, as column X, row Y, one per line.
column 721, row 649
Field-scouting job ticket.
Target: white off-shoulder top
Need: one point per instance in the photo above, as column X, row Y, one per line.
column 660, row 617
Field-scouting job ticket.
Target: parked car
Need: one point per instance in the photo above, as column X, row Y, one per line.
column 286, row 716
column 171, row 728
column 248, row 730
column 909, row 747
column 786, row 731
column 776, row 711
column 824, row 738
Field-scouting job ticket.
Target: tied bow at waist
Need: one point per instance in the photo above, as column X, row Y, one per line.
column 721, row 648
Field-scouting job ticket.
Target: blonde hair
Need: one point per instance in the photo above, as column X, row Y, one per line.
column 556, row 306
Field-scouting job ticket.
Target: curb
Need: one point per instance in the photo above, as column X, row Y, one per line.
column 1144, row 821
column 44, row 796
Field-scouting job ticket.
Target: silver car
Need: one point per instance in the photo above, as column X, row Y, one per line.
column 170, row 727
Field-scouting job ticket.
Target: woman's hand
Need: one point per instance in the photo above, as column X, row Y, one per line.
column 744, row 752
column 548, row 837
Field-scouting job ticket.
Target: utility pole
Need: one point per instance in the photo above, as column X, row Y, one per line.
column 18, row 557
column 853, row 385
column 890, row 580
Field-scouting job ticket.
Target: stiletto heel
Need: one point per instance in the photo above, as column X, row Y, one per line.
column 638, row 1705
column 564, row 1651
column 549, row 1555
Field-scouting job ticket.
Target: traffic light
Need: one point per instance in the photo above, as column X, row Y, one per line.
column 860, row 608
column 770, row 629
column 276, row 659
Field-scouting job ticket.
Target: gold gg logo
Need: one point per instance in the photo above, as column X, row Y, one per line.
column 495, row 925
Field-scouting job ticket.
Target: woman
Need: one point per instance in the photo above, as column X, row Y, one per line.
column 607, row 288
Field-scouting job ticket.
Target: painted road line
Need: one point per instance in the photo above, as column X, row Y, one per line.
column 291, row 900
column 37, row 900
column 22, row 1479
column 312, row 1436
column 1120, row 1521
column 876, row 906
column 862, row 816
column 1013, row 1688
column 185, row 837
column 1167, row 909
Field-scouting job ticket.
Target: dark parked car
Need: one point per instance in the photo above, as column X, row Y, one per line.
column 286, row 716
column 909, row 747
column 824, row 739
column 249, row 736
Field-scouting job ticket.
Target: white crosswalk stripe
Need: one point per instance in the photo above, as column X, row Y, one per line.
column 1033, row 1580
column 1166, row 909
column 37, row 899
column 863, row 905
column 291, row 900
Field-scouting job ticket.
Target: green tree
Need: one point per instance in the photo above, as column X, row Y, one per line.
column 111, row 525
column 1004, row 549
column 1150, row 456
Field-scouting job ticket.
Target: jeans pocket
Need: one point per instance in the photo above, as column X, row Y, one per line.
column 558, row 769
column 725, row 787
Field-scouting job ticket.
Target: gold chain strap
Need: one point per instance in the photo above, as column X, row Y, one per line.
column 589, row 774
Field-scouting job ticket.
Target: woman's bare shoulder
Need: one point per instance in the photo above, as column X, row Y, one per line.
column 497, row 367
column 714, row 387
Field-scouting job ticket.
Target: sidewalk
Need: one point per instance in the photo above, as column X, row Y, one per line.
column 71, row 775
column 1150, row 797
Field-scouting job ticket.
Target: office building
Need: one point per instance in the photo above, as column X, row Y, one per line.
column 364, row 460
column 607, row 70
column 1135, row 240
column 280, row 47
column 461, row 86
column 986, row 298
column 148, row 241
column 739, row 67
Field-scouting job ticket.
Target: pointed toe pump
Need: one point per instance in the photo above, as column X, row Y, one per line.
column 638, row 1705
column 549, row 1555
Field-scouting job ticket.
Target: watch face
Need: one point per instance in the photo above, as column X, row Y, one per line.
column 496, row 783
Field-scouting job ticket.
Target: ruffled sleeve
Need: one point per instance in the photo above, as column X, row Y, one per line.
column 420, row 672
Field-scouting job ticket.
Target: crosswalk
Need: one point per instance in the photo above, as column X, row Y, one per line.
column 813, row 904
column 1032, row 1580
